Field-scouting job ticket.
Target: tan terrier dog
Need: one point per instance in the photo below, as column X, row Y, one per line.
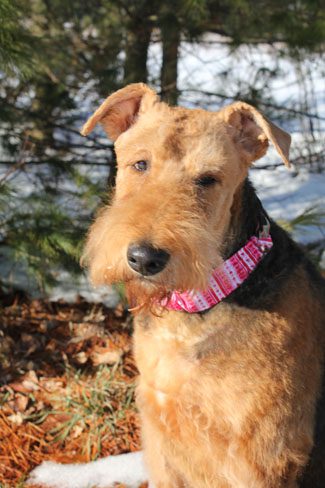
column 230, row 372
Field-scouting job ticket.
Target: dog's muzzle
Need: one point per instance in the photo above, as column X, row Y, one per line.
column 146, row 260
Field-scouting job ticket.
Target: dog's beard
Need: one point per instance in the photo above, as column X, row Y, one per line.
column 152, row 292
column 184, row 232
column 143, row 295
column 181, row 274
column 141, row 291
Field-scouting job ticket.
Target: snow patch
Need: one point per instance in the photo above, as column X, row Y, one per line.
column 127, row 469
column 286, row 194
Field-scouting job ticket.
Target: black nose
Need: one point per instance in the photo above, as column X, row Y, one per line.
column 146, row 260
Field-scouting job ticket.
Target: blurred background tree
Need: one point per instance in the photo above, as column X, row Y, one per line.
column 58, row 59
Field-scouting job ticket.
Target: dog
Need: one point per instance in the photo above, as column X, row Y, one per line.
column 229, row 313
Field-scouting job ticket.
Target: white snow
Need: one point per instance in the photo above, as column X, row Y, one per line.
column 286, row 194
column 69, row 289
column 127, row 469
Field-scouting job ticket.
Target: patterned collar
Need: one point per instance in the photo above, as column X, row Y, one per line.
column 224, row 279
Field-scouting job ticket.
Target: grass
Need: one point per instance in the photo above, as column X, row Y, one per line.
column 311, row 217
column 68, row 386
column 305, row 222
column 94, row 405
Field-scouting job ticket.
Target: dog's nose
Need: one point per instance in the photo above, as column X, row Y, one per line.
column 146, row 260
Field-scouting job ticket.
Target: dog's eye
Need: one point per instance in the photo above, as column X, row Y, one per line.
column 141, row 166
column 206, row 181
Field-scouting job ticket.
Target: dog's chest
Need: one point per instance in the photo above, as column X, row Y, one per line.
column 174, row 380
column 171, row 355
column 197, row 387
column 162, row 363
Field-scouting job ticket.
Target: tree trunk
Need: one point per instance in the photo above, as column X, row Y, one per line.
column 135, row 65
column 171, row 37
column 136, row 52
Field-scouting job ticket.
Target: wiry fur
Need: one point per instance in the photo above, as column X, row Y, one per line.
column 227, row 397
column 169, row 224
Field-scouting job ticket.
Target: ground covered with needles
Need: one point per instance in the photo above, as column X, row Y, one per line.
column 67, row 384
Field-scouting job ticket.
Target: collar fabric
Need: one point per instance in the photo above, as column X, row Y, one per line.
column 224, row 279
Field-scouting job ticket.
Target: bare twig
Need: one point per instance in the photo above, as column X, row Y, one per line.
column 20, row 163
column 265, row 104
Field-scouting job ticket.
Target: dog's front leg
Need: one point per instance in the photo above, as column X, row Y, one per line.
column 161, row 474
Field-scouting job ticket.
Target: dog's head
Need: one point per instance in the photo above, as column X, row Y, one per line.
column 178, row 172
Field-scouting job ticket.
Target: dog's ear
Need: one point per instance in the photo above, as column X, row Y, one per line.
column 119, row 111
column 251, row 132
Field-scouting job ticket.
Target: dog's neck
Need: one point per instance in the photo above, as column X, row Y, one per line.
column 248, row 242
column 263, row 287
column 247, row 219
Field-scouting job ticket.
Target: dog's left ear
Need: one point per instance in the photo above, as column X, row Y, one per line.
column 251, row 132
column 120, row 110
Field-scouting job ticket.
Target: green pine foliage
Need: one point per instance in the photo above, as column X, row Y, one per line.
column 304, row 223
column 16, row 42
column 48, row 191
column 56, row 55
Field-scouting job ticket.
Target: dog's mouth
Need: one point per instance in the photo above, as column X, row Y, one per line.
column 149, row 283
column 153, row 273
column 145, row 292
column 163, row 278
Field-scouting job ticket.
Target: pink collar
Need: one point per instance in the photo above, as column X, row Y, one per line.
column 224, row 279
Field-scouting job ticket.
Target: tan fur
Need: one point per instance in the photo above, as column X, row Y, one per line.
column 206, row 384
column 203, row 418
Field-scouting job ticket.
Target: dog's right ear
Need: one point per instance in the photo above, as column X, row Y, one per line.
column 251, row 131
column 120, row 110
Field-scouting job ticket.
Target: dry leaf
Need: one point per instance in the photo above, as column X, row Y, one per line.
column 52, row 384
column 104, row 356
column 76, row 431
column 16, row 418
column 30, row 381
column 20, row 403
column 81, row 357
